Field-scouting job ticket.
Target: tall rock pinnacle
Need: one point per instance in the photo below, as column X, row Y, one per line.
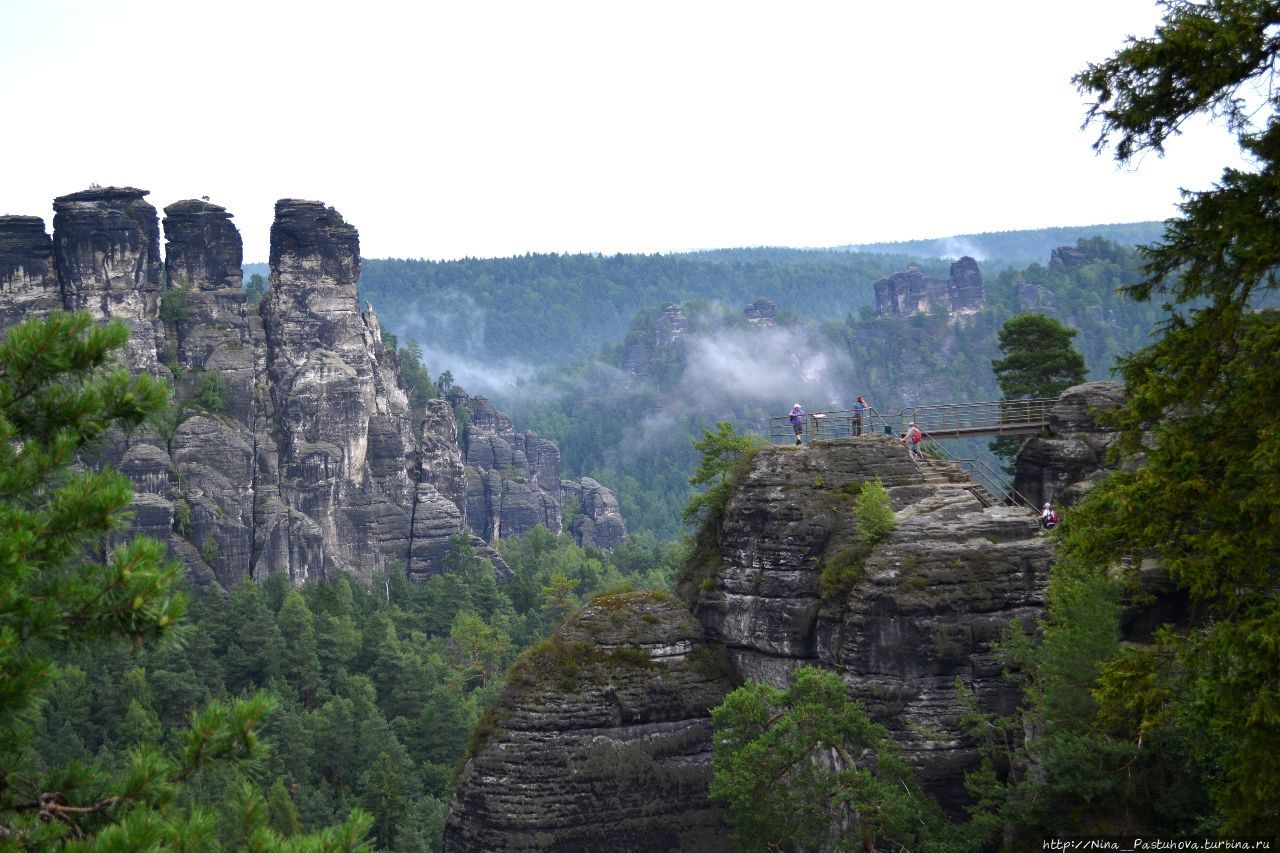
column 106, row 243
column 28, row 278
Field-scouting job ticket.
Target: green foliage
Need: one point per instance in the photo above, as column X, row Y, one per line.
column 1038, row 359
column 174, row 310
column 1201, row 404
column 63, row 596
column 255, row 289
column 805, row 768
column 724, row 453
column 547, row 308
column 842, row 570
column 209, row 549
column 875, row 513
column 213, row 391
column 416, row 377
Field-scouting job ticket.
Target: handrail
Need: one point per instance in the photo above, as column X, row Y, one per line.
column 818, row 426
column 994, row 417
column 982, row 474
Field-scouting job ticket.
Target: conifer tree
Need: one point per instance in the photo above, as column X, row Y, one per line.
column 67, row 582
column 1202, row 407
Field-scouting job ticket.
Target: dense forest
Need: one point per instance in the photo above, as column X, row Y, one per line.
column 376, row 688
column 1016, row 248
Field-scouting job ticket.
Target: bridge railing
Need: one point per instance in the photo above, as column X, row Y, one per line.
column 984, row 475
column 953, row 420
column 993, row 417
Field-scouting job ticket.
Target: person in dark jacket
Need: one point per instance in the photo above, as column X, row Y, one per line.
column 859, row 409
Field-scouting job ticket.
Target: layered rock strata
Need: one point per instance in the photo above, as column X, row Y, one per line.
column 1061, row 466
column 901, row 621
column 911, row 292
column 28, row 278
column 599, row 522
column 106, row 244
column 789, row 583
column 292, row 447
column 600, row 740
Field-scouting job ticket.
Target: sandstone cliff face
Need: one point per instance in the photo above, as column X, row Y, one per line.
column 910, row 292
column 292, row 448
column 599, row 523
column 28, row 279
column 901, row 622
column 106, row 243
column 600, row 740
column 913, row 614
column 1063, row 465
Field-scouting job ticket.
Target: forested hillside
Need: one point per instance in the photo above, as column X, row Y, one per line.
column 547, row 309
column 1017, row 248
column 377, row 687
column 630, row 424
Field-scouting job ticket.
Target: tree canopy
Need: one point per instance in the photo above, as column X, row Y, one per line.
column 1200, row 497
column 68, row 581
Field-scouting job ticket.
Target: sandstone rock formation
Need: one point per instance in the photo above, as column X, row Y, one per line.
column 292, row 448
column 600, row 740
column 910, row 292
column 599, row 523
column 28, row 278
column 900, row 621
column 761, row 312
column 1062, row 466
column 667, row 334
column 787, row 583
column 106, row 243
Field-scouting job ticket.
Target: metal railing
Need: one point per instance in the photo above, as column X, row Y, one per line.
column 821, row 426
column 995, row 417
column 944, row 420
column 1000, row 489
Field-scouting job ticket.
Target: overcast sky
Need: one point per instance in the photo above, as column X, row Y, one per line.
column 443, row 130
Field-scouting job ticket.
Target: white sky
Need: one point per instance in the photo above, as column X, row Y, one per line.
column 442, row 130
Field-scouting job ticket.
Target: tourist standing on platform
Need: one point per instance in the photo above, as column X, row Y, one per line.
column 797, row 420
column 859, row 409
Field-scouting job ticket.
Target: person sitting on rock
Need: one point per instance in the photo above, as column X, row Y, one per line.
column 797, row 420
column 1048, row 517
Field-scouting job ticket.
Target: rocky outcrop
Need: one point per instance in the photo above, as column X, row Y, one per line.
column 792, row 584
column 788, row 583
column 28, row 278
column 106, row 244
column 599, row 522
column 1037, row 298
column 291, row 448
column 600, row 739
column 911, row 292
column 1061, row 466
column 343, row 422
column 761, row 312
column 644, row 346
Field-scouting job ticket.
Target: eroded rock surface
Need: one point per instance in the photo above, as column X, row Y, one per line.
column 600, row 740
column 293, row 448
column 28, row 278
column 911, row 292
column 901, row 621
column 599, row 523
column 1062, row 466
